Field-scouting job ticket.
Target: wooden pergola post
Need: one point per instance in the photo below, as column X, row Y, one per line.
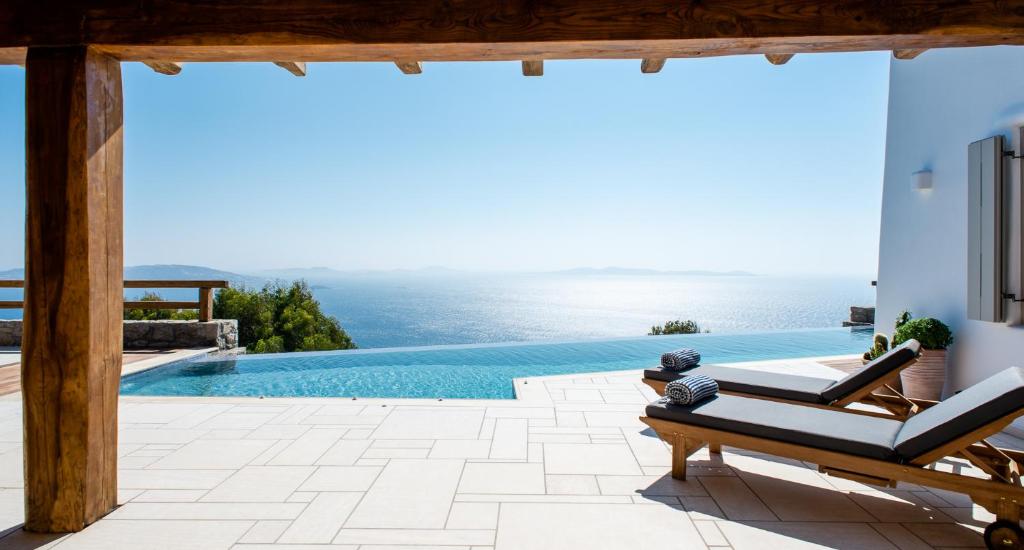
column 71, row 349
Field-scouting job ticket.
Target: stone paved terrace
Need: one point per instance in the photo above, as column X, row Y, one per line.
column 566, row 466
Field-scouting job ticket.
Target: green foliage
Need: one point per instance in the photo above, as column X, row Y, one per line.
column 879, row 348
column 902, row 318
column 676, row 327
column 931, row 333
column 280, row 318
column 159, row 314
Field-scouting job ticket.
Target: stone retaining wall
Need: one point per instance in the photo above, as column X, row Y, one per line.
column 155, row 334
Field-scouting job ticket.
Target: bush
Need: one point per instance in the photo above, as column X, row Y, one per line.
column 676, row 327
column 159, row 314
column 931, row 333
column 879, row 347
column 280, row 318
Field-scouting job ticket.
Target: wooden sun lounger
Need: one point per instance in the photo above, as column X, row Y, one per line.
column 874, row 384
column 871, row 450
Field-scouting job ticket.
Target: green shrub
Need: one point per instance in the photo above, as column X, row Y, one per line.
column 676, row 327
column 280, row 318
column 931, row 333
column 879, row 348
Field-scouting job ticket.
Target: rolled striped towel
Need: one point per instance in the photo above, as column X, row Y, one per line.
column 680, row 359
column 690, row 389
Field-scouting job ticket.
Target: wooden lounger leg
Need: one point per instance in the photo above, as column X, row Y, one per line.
column 682, row 448
column 715, row 448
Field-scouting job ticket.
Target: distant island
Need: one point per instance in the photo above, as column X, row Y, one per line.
column 641, row 271
column 259, row 278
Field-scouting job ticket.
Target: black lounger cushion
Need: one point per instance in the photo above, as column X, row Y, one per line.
column 838, row 431
column 870, row 373
column 989, row 400
column 755, row 382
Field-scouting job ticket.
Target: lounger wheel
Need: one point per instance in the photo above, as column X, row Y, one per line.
column 1004, row 535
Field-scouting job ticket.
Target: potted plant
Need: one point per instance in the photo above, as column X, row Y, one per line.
column 925, row 379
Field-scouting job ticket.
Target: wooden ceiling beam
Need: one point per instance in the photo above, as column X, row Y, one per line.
column 533, row 67
column 439, row 30
column 409, row 67
column 652, row 65
column 907, row 54
column 297, row 68
column 778, row 58
column 164, row 67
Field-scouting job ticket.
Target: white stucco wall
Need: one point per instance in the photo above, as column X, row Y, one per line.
column 938, row 103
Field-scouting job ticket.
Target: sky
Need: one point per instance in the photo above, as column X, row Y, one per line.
column 713, row 164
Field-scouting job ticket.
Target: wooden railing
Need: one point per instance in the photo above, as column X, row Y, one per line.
column 204, row 304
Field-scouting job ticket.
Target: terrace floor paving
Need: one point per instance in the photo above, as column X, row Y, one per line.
column 567, row 465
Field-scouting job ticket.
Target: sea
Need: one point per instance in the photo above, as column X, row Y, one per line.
column 382, row 309
column 418, row 310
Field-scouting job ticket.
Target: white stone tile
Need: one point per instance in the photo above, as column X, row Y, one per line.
column 501, row 478
column 396, row 453
column 648, row 448
column 900, row 536
column 265, row 531
column 344, row 453
column 510, row 438
column 157, row 535
column 572, row 485
column 461, row 448
column 403, row 444
column 758, row 535
column 599, row 419
column 171, row 479
column 236, row 421
column 207, row 510
column 409, row 494
column 473, row 515
column 649, row 486
column 212, row 454
column 341, row 478
column 170, row 495
column 571, row 458
column 594, row 526
column 710, row 533
column 736, row 499
column 308, row 448
column 278, row 431
column 417, row 537
column 321, row 519
column 260, row 484
column 158, row 436
column 946, row 534
column 520, row 412
column 435, row 423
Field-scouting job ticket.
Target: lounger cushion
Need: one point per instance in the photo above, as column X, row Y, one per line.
column 870, row 373
column 983, row 403
column 830, row 430
column 768, row 384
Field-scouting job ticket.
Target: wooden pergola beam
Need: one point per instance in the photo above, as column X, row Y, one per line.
column 297, row 68
column 164, row 67
column 651, row 65
column 438, row 30
column 778, row 58
column 409, row 67
column 533, row 67
column 907, row 54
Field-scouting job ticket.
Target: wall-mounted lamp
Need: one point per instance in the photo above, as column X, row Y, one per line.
column 921, row 181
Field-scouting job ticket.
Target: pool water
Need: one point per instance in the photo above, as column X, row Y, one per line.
column 483, row 371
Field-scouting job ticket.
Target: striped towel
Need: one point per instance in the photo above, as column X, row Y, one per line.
column 680, row 359
column 690, row 389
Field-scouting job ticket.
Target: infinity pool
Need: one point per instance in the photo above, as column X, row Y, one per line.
column 471, row 371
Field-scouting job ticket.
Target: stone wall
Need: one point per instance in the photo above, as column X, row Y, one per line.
column 10, row 332
column 155, row 334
